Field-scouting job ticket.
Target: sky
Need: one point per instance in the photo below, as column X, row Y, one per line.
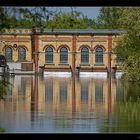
column 90, row 12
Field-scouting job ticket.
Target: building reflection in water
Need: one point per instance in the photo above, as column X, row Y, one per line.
column 50, row 104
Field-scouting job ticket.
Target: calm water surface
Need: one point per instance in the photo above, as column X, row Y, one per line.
column 60, row 104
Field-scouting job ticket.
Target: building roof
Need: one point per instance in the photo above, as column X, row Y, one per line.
column 83, row 31
column 65, row 31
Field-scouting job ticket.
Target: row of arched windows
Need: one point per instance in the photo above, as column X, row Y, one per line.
column 63, row 55
column 21, row 54
column 84, row 55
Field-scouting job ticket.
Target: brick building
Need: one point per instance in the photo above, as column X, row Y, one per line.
column 60, row 50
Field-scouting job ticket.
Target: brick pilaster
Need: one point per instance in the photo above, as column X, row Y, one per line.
column 35, row 51
column 73, row 52
column 109, row 52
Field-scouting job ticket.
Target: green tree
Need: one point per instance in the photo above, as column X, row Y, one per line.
column 4, row 20
column 70, row 20
column 36, row 16
column 28, row 17
column 128, row 46
column 43, row 17
column 4, row 85
column 108, row 18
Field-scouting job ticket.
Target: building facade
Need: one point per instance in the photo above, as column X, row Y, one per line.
column 60, row 50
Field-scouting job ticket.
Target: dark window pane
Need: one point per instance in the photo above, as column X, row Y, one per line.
column 99, row 55
column 21, row 54
column 63, row 55
column 84, row 55
column 49, row 55
column 8, row 54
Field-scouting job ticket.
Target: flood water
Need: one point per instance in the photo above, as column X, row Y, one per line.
column 71, row 105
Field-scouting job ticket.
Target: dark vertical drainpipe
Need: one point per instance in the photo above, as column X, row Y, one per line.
column 73, row 53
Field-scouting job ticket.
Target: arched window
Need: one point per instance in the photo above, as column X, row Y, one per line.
column 21, row 54
column 8, row 54
column 49, row 55
column 84, row 55
column 99, row 55
column 63, row 55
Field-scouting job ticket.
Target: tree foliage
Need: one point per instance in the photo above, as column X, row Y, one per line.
column 128, row 46
column 43, row 17
column 109, row 18
column 70, row 20
column 4, row 85
column 4, row 18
